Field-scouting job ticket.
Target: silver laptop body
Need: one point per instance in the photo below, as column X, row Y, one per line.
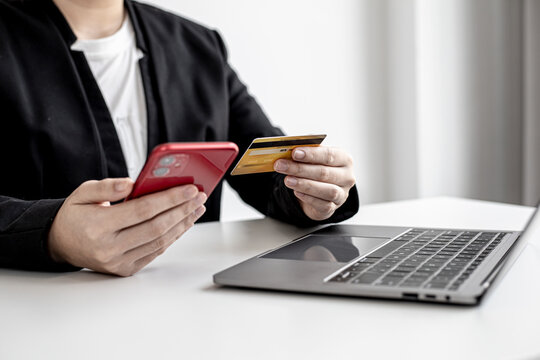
column 436, row 265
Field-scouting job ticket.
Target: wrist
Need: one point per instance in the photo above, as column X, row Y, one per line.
column 51, row 251
column 52, row 247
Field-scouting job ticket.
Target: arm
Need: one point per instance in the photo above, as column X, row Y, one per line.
column 24, row 226
column 86, row 231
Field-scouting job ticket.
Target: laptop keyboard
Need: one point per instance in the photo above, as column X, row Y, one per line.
column 427, row 258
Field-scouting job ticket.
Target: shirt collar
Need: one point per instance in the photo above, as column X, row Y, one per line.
column 69, row 36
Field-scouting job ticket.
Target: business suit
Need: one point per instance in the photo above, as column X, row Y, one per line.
column 56, row 131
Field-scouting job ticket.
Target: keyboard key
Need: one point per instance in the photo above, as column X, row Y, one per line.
column 366, row 278
column 405, row 269
column 389, row 281
column 409, row 283
column 379, row 271
column 398, row 274
column 435, row 285
column 387, row 249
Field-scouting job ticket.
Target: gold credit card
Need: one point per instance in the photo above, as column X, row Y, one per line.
column 263, row 152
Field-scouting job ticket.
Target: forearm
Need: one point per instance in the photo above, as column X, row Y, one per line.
column 24, row 226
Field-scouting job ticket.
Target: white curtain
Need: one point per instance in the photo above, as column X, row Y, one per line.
column 453, row 105
column 531, row 161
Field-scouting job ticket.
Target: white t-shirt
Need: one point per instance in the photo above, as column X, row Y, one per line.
column 114, row 61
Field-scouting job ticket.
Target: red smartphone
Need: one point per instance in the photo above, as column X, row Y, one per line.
column 172, row 164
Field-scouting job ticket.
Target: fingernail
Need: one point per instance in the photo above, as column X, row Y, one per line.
column 199, row 211
column 291, row 181
column 190, row 192
column 281, row 165
column 121, row 185
column 299, row 195
column 299, row 154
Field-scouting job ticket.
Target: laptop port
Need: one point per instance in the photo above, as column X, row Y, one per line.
column 432, row 297
column 412, row 296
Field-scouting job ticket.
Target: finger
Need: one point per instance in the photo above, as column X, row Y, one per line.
column 316, row 209
column 323, row 155
column 102, row 191
column 323, row 191
column 132, row 262
column 146, row 207
column 158, row 226
column 141, row 263
column 322, row 173
column 160, row 244
column 135, row 267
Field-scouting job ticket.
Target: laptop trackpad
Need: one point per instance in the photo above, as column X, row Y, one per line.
column 341, row 249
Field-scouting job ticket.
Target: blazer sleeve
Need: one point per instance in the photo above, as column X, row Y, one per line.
column 266, row 192
column 24, row 227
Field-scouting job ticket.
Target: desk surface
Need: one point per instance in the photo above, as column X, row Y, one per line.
column 172, row 309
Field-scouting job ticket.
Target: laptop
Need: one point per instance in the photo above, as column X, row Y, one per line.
column 454, row 266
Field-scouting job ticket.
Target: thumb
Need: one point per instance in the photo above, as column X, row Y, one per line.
column 97, row 192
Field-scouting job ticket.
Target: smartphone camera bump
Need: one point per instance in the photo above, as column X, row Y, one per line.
column 175, row 163
column 164, row 162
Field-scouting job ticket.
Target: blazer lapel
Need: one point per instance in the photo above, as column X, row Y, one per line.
column 100, row 114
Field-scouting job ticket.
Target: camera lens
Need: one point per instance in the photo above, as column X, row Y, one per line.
column 166, row 160
column 161, row 171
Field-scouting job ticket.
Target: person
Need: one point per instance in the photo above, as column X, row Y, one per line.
column 87, row 89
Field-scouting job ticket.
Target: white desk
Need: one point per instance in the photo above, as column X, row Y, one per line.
column 172, row 309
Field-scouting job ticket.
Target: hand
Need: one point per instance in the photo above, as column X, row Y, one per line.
column 321, row 178
column 121, row 239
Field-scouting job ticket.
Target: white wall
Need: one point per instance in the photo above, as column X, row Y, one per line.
column 301, row 59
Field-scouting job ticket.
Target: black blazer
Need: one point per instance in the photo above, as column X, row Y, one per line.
column 56, row 131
